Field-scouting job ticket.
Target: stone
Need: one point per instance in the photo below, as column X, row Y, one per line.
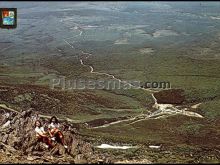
column 80, row 159
column 20, row 138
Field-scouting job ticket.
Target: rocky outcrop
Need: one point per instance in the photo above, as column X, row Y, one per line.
column 17, row 137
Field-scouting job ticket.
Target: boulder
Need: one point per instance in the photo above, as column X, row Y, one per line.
column 80, row 159
column 19, row 135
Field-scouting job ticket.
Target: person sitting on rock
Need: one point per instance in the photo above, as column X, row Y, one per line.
column 42, row 135
column 54, row 131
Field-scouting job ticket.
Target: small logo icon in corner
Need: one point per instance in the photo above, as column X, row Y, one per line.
column 8, row 18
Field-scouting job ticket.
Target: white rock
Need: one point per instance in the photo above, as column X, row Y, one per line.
column 154, row 147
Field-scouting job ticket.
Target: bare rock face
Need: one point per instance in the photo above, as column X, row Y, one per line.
column 19, row 136
column 58, row 150
column 172, row 96
column 80, row 159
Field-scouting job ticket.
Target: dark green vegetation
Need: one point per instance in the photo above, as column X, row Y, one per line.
column 175, row 42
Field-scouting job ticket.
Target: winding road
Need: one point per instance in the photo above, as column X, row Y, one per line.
column 163, row 110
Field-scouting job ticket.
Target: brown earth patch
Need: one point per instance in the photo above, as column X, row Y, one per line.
column 171, row 96
column 100, row 122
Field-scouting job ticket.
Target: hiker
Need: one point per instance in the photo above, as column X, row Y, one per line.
column 42, row 135
column 54, row 131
